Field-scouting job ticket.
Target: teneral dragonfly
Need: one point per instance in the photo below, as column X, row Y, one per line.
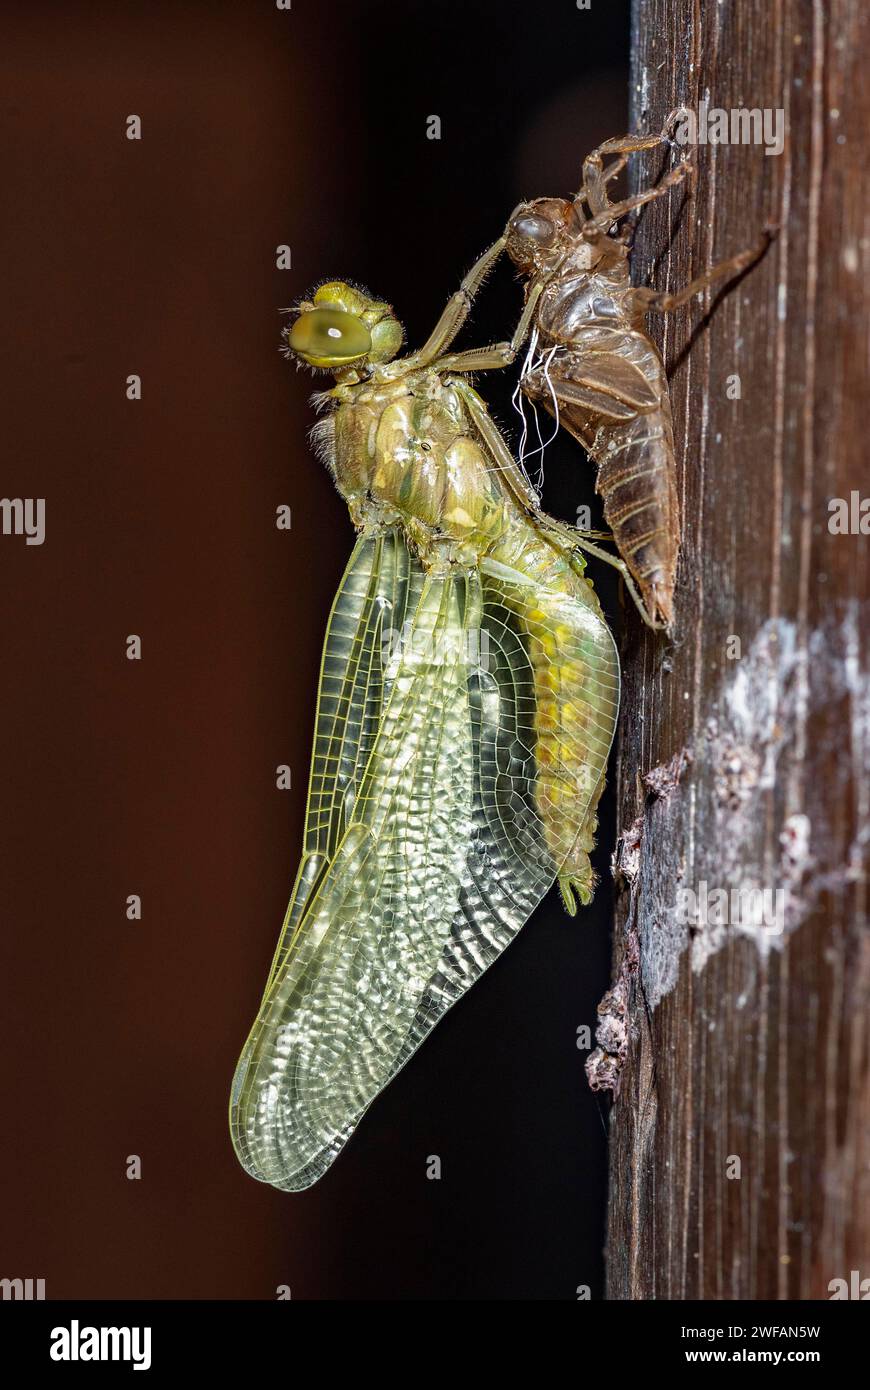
column 467, row 704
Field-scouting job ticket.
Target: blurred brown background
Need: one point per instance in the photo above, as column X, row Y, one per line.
column 157, row 777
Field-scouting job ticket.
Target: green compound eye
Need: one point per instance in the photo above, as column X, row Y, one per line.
column 326, row 337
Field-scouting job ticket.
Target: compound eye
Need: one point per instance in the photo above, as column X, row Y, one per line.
column 533, row 227
column 329, row 334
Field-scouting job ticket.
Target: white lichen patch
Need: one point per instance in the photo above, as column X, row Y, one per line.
column 755, row 750
column 737, row 848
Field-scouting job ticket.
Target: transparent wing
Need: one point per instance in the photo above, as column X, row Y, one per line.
column 425, row 849
column 372, row 599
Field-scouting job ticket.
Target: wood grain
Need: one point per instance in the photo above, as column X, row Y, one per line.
column 739, row 1153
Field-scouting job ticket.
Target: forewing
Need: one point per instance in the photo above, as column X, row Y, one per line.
column 440, row 857
column 367, row 612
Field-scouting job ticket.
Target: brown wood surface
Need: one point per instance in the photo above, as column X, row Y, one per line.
column 739, row 1050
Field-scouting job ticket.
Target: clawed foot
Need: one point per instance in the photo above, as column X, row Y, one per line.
column 576, row 886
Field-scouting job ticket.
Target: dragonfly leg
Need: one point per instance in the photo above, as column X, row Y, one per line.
column 495, row 442
column 457, row 309
column 583, row 543
column 633, row 144
column 596, row 178
column 598, row 225
column 612, row 170
column 659, row 301
column 563, row 533
column 496, row 354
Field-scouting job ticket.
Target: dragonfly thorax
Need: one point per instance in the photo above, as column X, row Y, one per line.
column 407, row 448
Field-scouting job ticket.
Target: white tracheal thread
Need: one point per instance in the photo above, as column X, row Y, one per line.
column 518, row 392
column 533, row 361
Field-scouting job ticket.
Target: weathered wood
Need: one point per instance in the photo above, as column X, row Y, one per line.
column 739, row 1159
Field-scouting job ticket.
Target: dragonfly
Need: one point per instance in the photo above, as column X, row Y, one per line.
column 593, row 365
column 467, row 702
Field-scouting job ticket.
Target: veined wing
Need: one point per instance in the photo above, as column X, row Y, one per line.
column 434, row 855
column 372, row 598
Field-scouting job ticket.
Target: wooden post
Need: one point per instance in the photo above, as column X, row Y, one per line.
column 739, row 1154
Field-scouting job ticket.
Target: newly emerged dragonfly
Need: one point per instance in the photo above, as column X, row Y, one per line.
column 467, row 704
column 593, row 365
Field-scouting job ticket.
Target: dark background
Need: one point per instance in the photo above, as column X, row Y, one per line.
column 157, row 777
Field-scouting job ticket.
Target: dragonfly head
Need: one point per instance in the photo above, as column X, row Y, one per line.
column 340, row 327
column 537, row 233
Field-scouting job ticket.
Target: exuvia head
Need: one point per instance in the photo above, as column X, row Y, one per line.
column 541, row 233
column 340, row 327
column 538, row 233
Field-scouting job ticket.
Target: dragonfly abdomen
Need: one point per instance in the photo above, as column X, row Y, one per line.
column 576, row 672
